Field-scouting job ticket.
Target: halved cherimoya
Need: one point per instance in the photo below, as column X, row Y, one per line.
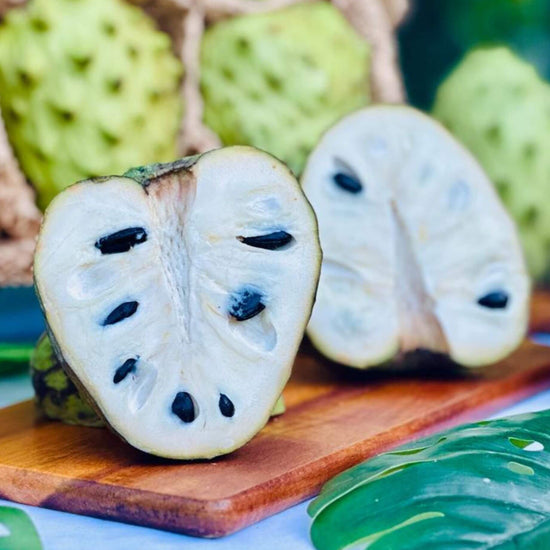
column 419, row 253
column 177, row 296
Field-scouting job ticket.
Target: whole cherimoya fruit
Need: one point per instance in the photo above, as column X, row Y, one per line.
column 419, row 253
column 499, row 107
column 278, row 80
column 177, row 296
column 87, row 87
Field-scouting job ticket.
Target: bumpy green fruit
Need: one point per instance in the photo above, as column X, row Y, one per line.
column 87, row 87
column 279, row 80
column 500, row 108
column 55, row 394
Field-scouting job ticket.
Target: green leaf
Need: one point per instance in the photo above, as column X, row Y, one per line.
column 483, row 485
column 14, row 357
column 17, row 531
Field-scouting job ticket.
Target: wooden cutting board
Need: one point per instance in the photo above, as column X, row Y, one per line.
column 335, row 419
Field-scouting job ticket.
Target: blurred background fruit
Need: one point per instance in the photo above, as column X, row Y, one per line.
column 279, row 80
column 87, row 88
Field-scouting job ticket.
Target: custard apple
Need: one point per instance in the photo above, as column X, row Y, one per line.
column 87, row 87
column 56, row 396
column 419, row 253
column 497, row 105
column 177, row 296
column 278, row 80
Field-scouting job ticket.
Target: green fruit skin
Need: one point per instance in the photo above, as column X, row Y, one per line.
column 499, row 107
column 55, row 394
column 87, row 88
column 277, row 81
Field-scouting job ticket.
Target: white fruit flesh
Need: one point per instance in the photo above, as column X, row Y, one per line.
column 408, row 257
column 185, row 278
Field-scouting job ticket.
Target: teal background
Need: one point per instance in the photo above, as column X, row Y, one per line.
column 20, row 316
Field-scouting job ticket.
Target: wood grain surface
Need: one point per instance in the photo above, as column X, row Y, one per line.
column 336, row 417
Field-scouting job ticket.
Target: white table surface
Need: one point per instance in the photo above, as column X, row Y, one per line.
column 285, row 531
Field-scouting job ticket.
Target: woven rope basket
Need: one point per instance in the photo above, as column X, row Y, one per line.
column 185, row 21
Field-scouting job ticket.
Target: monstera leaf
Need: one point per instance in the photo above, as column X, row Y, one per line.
column 483, row 485
column 14, row 357
column 17, row 531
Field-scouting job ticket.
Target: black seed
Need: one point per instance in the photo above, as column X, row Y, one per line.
column 270, row 241
column 183, row 407
column 347, row 182
column 226, row 406
column 121, row 312
column 122, row 240
column 246, row 304
column 124, row 370
column 497, row 299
